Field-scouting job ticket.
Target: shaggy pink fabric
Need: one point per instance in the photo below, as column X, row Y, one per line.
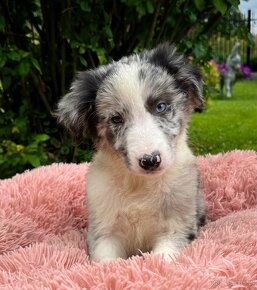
column 42, row 241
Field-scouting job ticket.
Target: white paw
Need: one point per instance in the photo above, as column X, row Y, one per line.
column 107, row 249
column 169, row 254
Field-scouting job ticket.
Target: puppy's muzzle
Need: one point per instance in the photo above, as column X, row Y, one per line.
column 150, row 162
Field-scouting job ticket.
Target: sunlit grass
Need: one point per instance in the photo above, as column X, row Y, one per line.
column 227, row 124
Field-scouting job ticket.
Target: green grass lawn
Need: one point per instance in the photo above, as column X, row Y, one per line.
column 227, row 124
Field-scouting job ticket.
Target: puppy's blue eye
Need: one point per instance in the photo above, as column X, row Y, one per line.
column 161, row 108
column 117, row 119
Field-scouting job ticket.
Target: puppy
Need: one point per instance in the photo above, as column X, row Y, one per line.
column 143, row 184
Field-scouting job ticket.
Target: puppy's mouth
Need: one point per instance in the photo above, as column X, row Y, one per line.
column 149, row 172
column 152, row 172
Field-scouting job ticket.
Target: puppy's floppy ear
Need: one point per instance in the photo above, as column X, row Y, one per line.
column 76, row 110
column 188, row 77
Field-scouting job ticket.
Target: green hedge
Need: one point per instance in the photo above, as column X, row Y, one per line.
column 44, row 43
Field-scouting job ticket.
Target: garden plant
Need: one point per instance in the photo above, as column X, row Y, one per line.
column 44, row 43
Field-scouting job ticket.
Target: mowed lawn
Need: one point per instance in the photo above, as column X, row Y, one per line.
column 227, row 124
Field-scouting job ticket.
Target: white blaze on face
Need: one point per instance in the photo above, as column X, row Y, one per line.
column 143, row 136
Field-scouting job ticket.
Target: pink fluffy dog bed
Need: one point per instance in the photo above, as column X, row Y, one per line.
column 43, row 215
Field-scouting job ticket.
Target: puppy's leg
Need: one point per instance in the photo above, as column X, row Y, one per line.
column 107, row 248
column 169, row 245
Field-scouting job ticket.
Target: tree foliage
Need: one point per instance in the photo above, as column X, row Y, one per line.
column 44, row 43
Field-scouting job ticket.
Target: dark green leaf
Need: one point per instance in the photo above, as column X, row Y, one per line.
column 141, row 9
column 41, row 137
column 23, row 54
column 2, row 24
column 3, row 59
column 199, row 50
column 34, row 160
column 31, row 148
column 64, row 150
column 14, row 55
column 83, row 61
column 107, row 31
column 221, row 6
column 36, row 64
column 199, row 4
column 82, row 50
column 24, row 68
column 234, row 3
column 150, row 6
column 6, row 82
column 85, row 6
column 193, row 17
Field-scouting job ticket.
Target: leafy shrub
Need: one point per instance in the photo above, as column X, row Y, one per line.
column 211, row 78
column 44, row 43
column 15, row 157
column 19, row 148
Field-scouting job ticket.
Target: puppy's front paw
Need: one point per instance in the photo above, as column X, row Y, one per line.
column 106, row 249
column 167, row 249
column 167, row 255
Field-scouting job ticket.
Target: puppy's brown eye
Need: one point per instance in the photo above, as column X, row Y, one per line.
column 117, row 119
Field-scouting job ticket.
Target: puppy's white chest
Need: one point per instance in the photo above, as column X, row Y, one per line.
column 136, row 215
column 138, row 222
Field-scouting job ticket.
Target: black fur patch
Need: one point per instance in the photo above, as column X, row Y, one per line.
column 110, row 136
column 165, row 56
column 161, row 57
column 88, row 87
column 141, row 74
column 191, row 237
column 77, row 109
column 152, row 103
column 201, row 221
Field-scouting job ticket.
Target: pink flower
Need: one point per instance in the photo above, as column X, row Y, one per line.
column 247, row 72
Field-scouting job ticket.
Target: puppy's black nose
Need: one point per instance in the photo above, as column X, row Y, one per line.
column 150, row 162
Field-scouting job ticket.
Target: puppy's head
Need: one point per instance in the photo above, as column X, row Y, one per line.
column 136, row 107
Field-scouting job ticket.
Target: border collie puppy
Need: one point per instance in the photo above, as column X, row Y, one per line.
column 143, row 185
